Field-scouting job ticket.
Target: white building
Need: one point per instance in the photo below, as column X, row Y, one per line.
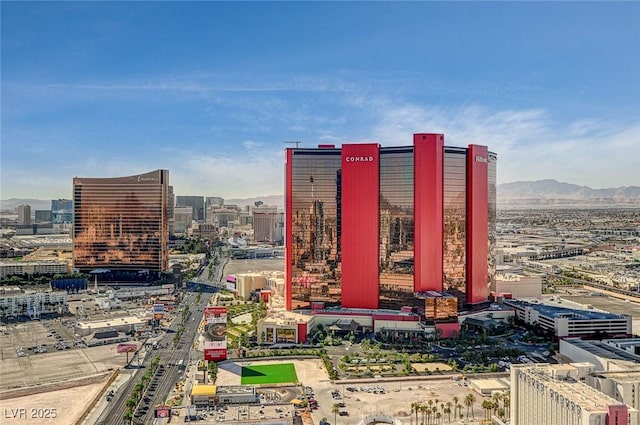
column 557, row 395
column 566, row 322
column 9, row 268
column 32, row 304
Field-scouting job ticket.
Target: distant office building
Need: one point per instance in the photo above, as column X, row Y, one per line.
column 205, row 231
column 223, row 216
column 121, row 223
column 171, row 202
column 214, row 200
column 61, row 211
column 195, row 202
column 557, row 394
column 42, row 216
column 209, row 202
column 268, row 225
column 370, row 226
column 24, row 215
column 183, row 220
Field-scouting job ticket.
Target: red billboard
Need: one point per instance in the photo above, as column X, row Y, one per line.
column 215, row 354
column 215, row 314
column 215, row 344
column 126, row 348
column 162, row 412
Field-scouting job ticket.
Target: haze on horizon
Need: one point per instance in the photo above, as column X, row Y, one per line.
column 211, row 90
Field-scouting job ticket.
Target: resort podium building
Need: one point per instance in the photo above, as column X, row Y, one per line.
column 121, row 223
column 375, row 227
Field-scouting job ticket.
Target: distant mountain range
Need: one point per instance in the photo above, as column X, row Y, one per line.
column 527, row 194
column 552, row 193
column 271, row 200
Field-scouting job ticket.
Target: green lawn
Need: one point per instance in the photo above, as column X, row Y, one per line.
column 269, row 374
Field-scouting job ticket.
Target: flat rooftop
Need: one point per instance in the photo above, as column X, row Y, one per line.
column 559, row 312
column 114, row 321
column 581, row 394
column 604, row 349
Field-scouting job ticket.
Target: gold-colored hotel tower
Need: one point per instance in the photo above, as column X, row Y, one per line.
column 121, row 223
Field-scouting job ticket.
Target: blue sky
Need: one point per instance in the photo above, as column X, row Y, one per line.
column 211, row 90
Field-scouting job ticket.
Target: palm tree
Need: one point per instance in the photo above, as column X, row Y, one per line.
column 487, row 405
column 501, row 412
column 426, row 413
column 415, row 407
column 455, row 406
column 447, row 410
column 128, row 416
column 335, row 409
column 469, row 399
column 131, row 402
column 506, row 402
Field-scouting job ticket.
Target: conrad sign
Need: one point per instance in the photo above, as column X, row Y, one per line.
column 359, row 159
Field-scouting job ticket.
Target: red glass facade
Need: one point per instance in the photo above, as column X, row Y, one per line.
column 374, row 227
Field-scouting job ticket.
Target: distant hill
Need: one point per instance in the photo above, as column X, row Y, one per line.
column 524, row 194
column 271, row 200
column 552, row 193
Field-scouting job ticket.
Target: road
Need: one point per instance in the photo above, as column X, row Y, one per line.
column 171, row 357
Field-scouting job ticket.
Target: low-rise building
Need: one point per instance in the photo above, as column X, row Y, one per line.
column 567, row 322
column 125, row 324
column 32, row 304
column 9, row 268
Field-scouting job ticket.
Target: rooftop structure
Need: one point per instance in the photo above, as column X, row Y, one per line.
column 556, row 394
column 566, row 322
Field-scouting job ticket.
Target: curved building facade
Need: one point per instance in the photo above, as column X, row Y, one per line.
column 378, row 227
column 121, row 223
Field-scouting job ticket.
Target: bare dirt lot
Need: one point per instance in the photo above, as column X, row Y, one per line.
column 55, row 386
column 55, row 407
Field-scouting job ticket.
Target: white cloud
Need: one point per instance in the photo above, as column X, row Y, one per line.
column 530, row 145
column 252, row 170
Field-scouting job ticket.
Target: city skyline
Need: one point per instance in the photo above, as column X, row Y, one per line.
column 211, row 91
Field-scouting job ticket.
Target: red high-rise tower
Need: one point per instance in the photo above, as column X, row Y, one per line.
column 377, row 227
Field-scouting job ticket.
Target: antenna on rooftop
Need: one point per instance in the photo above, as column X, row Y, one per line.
column 293, row 142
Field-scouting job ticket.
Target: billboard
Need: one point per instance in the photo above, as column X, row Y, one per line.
column 126, row 348
column 215, row 344
column 162, row 412
column 215, row 353
column 158, row 308
column 158, row 316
